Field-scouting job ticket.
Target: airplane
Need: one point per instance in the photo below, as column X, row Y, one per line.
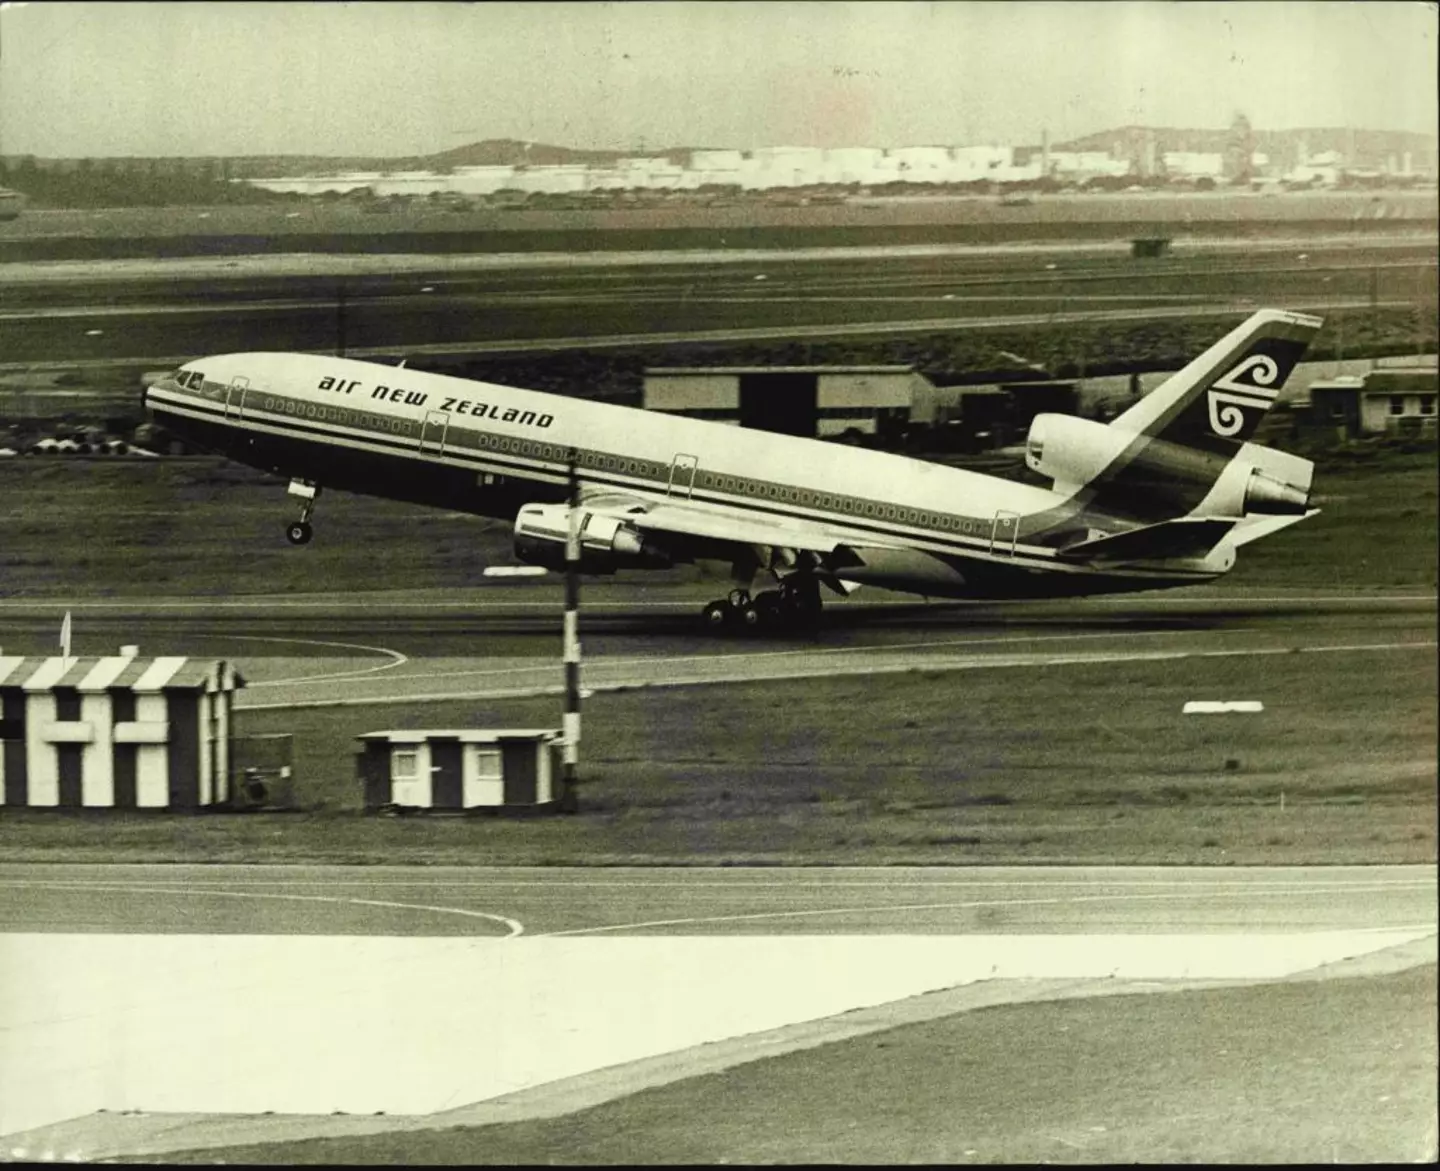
column 1161, row 496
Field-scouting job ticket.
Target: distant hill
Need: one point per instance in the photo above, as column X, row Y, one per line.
column 492, row 152
column 1361, row 149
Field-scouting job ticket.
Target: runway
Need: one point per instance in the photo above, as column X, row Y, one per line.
column 511, row 902
column 140, row 311
column 356, row 649
column 189, row 994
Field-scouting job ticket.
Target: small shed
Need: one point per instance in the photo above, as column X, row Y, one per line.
column 116, row 732
column 1383, row 402
column 473, row 768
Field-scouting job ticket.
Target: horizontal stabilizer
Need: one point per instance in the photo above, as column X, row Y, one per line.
column 1183, row 537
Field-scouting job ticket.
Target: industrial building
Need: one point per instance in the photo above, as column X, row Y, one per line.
column 978, row 418
column 813, row 401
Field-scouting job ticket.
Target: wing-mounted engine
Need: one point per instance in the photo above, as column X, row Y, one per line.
column 1161, row 477
column 607, row 543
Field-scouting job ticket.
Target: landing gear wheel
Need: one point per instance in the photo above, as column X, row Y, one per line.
column 299, row 533
column 770, row 608
column 736, row 611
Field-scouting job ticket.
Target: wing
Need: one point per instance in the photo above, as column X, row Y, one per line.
column 692, row 530
column 710, row 522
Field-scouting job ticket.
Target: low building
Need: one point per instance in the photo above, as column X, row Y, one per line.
column 815, row 401
column 1382, row 402
column 458, row 770
column 120, row 732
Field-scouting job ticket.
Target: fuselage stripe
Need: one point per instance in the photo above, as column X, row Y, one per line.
column 927, row 540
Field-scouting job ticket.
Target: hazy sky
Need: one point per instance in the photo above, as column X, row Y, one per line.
column 410, row 78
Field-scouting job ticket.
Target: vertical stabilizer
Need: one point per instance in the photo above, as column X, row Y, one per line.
column 1179, row 448
column 1218, row 400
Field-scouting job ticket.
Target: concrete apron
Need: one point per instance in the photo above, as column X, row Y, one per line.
column 136, row 1044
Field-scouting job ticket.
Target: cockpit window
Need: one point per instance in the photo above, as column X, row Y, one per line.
column 192, row 378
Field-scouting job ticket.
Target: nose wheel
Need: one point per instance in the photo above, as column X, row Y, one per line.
column 299, row 532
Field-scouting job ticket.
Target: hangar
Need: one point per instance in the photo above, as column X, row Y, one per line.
column 813, row 401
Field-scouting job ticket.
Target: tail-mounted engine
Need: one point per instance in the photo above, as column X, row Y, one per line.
column 1160, row 476
column 607, row 543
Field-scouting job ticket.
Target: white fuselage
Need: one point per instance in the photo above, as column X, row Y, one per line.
column 409, row 434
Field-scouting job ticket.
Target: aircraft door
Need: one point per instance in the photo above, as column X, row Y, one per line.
column 432, row 434
column 682, row 475
column 1004, row 532
column 235, row 398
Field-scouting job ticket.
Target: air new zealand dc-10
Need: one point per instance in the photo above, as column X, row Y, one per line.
column 1161, row 496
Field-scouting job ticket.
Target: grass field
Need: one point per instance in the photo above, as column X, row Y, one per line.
column 205, row 527
column 1335, row 1071
column 958, row 769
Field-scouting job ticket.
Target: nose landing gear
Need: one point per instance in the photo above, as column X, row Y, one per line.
column 299, row 532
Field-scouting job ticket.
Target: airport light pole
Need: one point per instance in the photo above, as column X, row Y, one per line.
column 570, row 732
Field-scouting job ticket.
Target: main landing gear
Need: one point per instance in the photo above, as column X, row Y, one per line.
column 299, row 532
column 795, row 607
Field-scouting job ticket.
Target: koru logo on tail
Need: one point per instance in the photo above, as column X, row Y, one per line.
column 1253, row 383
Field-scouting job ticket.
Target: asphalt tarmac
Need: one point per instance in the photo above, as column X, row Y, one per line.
column 504, row 641
column 508, row 902
column 161, row 1008
column 99, row 314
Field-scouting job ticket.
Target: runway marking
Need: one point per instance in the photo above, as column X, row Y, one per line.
column 396, row 659
column 960, row 906
column 982, row 662
column 739, row 656
column 514, row 927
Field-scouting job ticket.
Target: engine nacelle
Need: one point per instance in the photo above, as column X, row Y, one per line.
column 1273, row 488
column 606, row 542
column 1070, row 450
column 1249, row 479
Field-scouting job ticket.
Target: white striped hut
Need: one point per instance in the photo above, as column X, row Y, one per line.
column 119, row 732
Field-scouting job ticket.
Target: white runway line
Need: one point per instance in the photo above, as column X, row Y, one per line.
column 396, row 659
column 804, row 664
